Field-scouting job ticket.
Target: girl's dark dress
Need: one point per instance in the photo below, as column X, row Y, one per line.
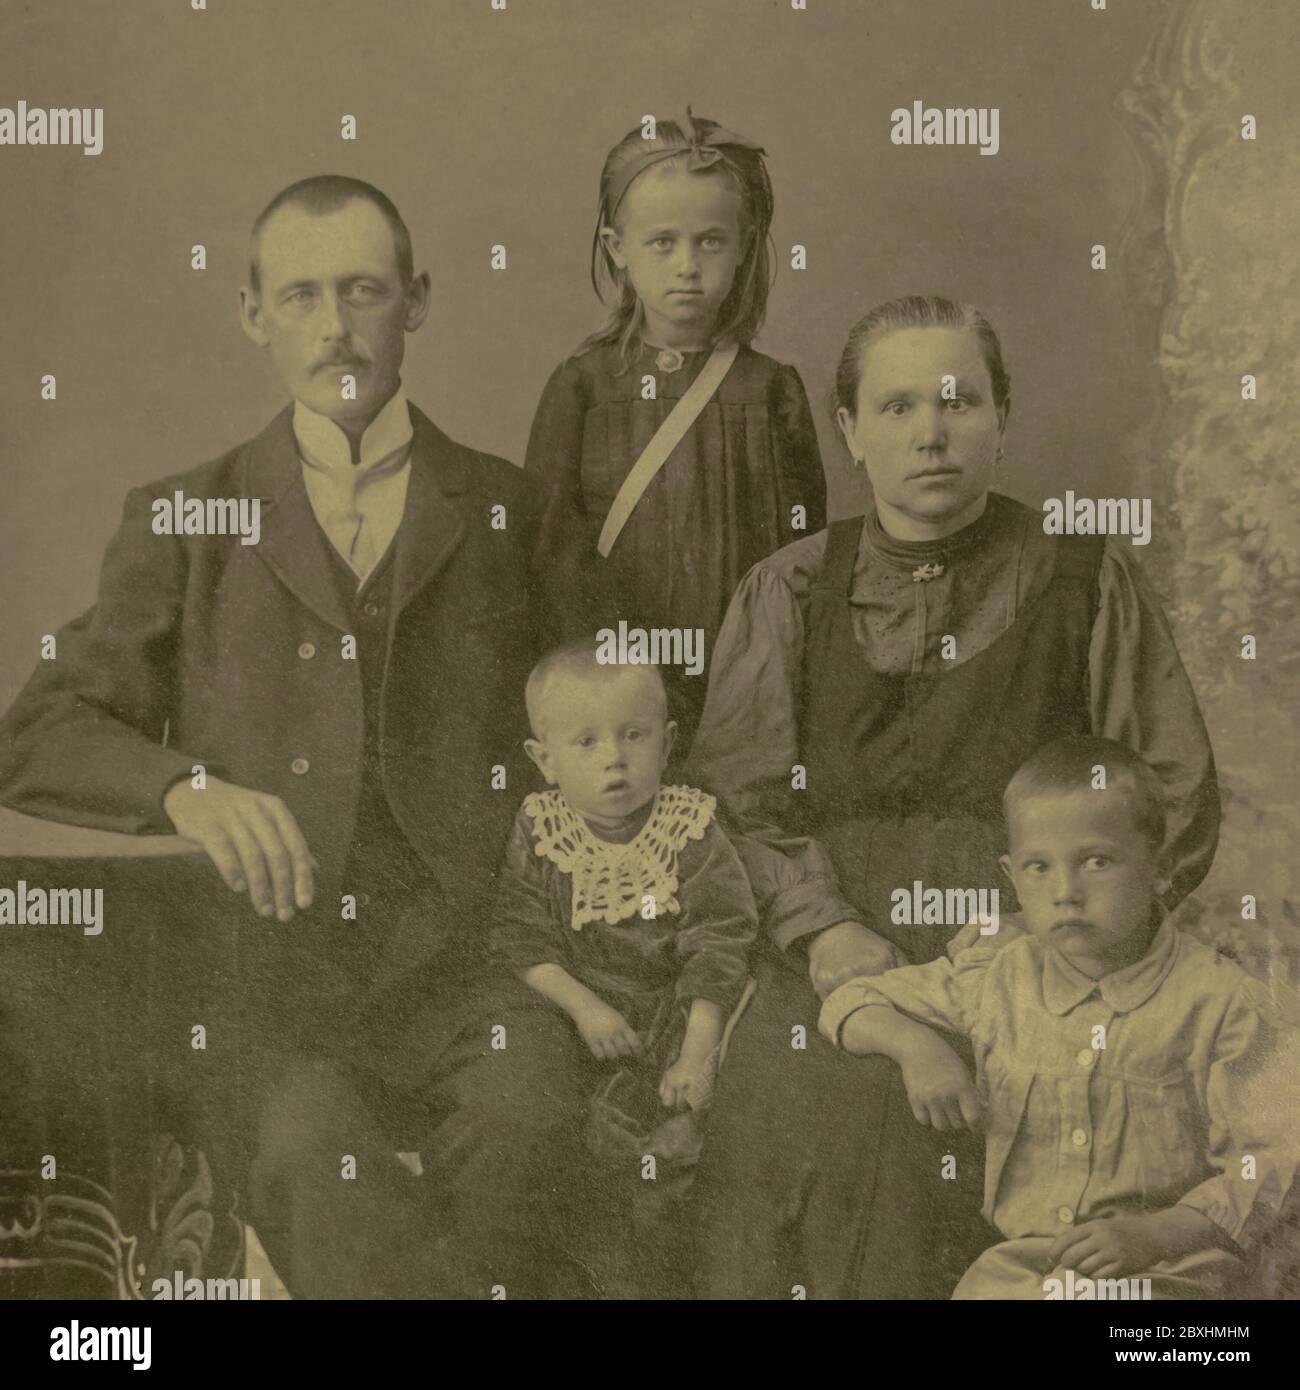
column 746, row 480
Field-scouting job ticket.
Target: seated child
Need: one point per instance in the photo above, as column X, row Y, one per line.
column 624, row 903
column 1136, row 1107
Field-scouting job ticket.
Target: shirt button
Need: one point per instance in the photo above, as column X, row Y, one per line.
column 307, row 651
column 371, row 610
column 1086, row 1057
column 1079, row 1138
column 299, row 766
column 1065, row 1214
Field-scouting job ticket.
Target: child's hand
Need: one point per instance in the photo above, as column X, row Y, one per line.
column 606, row 1031
column 939, row 1086
column 1113, row 1247
column 689, row 1081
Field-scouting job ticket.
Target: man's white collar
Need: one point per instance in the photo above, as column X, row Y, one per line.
column 324, row 444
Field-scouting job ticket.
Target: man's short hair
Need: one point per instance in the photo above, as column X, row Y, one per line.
column 325, row 193
column 1066, row 765
column 576, row 659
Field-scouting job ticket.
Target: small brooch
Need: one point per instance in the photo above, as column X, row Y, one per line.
column 924, row 572
column 670, row 360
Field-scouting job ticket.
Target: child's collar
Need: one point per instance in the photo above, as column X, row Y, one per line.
column 1065, row 986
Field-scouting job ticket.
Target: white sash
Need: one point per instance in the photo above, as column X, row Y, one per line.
column 666, row 439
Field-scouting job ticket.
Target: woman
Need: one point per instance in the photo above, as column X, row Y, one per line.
column 872, row 690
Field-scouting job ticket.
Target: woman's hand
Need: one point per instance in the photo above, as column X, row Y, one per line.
column 843, row 952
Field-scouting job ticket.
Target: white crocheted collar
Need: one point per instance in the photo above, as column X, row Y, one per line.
column 612, row 881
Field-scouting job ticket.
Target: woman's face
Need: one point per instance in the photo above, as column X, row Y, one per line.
column 926, row 428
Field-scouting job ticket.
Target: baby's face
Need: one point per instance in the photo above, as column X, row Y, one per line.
column 604, row 741
column 1085, row 876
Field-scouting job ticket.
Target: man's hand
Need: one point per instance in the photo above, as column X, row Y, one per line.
column 606, row 1031
column 253, row 840
column 845, row 951
column 938, row 1085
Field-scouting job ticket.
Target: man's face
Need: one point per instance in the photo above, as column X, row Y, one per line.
column 332, row 303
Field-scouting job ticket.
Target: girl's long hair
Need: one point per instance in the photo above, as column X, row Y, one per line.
column 741, row 314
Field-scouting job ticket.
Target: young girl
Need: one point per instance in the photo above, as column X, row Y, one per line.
column 624, row 904
column 681, row 250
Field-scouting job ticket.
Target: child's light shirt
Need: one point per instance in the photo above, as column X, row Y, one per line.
column 1173, row 1081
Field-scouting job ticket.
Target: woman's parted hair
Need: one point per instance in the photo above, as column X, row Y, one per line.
column 916, row 311
column 742, row 312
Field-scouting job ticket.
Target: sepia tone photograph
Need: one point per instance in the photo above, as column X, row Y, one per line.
column 649, row 654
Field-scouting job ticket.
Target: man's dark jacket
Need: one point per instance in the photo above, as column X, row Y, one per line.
column 203, row 650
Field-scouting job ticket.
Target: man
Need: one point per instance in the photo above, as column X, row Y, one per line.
column 330, row 705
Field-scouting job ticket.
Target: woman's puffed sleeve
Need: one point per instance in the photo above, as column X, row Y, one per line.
column 525, row 929
column 748, row 744
column 749, row 735
column 718, row 924
column 805, row 453
column 1140, row 696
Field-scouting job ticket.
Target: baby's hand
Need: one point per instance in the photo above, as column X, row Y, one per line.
column 689, row 1081
column 1111, row 1248
column 606, row 1031
column 939, row 1087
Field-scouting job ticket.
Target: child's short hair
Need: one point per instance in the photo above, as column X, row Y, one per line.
column 705, row 147
column 1069, row 764
column 577, row 659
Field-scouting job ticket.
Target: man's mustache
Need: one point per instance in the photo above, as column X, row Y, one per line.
column 341, row 359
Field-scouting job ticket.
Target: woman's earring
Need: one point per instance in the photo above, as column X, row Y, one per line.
column 999, row 456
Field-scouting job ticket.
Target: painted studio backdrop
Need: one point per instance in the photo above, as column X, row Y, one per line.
column 1119, row 128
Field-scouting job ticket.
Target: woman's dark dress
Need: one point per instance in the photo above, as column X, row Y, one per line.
column 816, row 1174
